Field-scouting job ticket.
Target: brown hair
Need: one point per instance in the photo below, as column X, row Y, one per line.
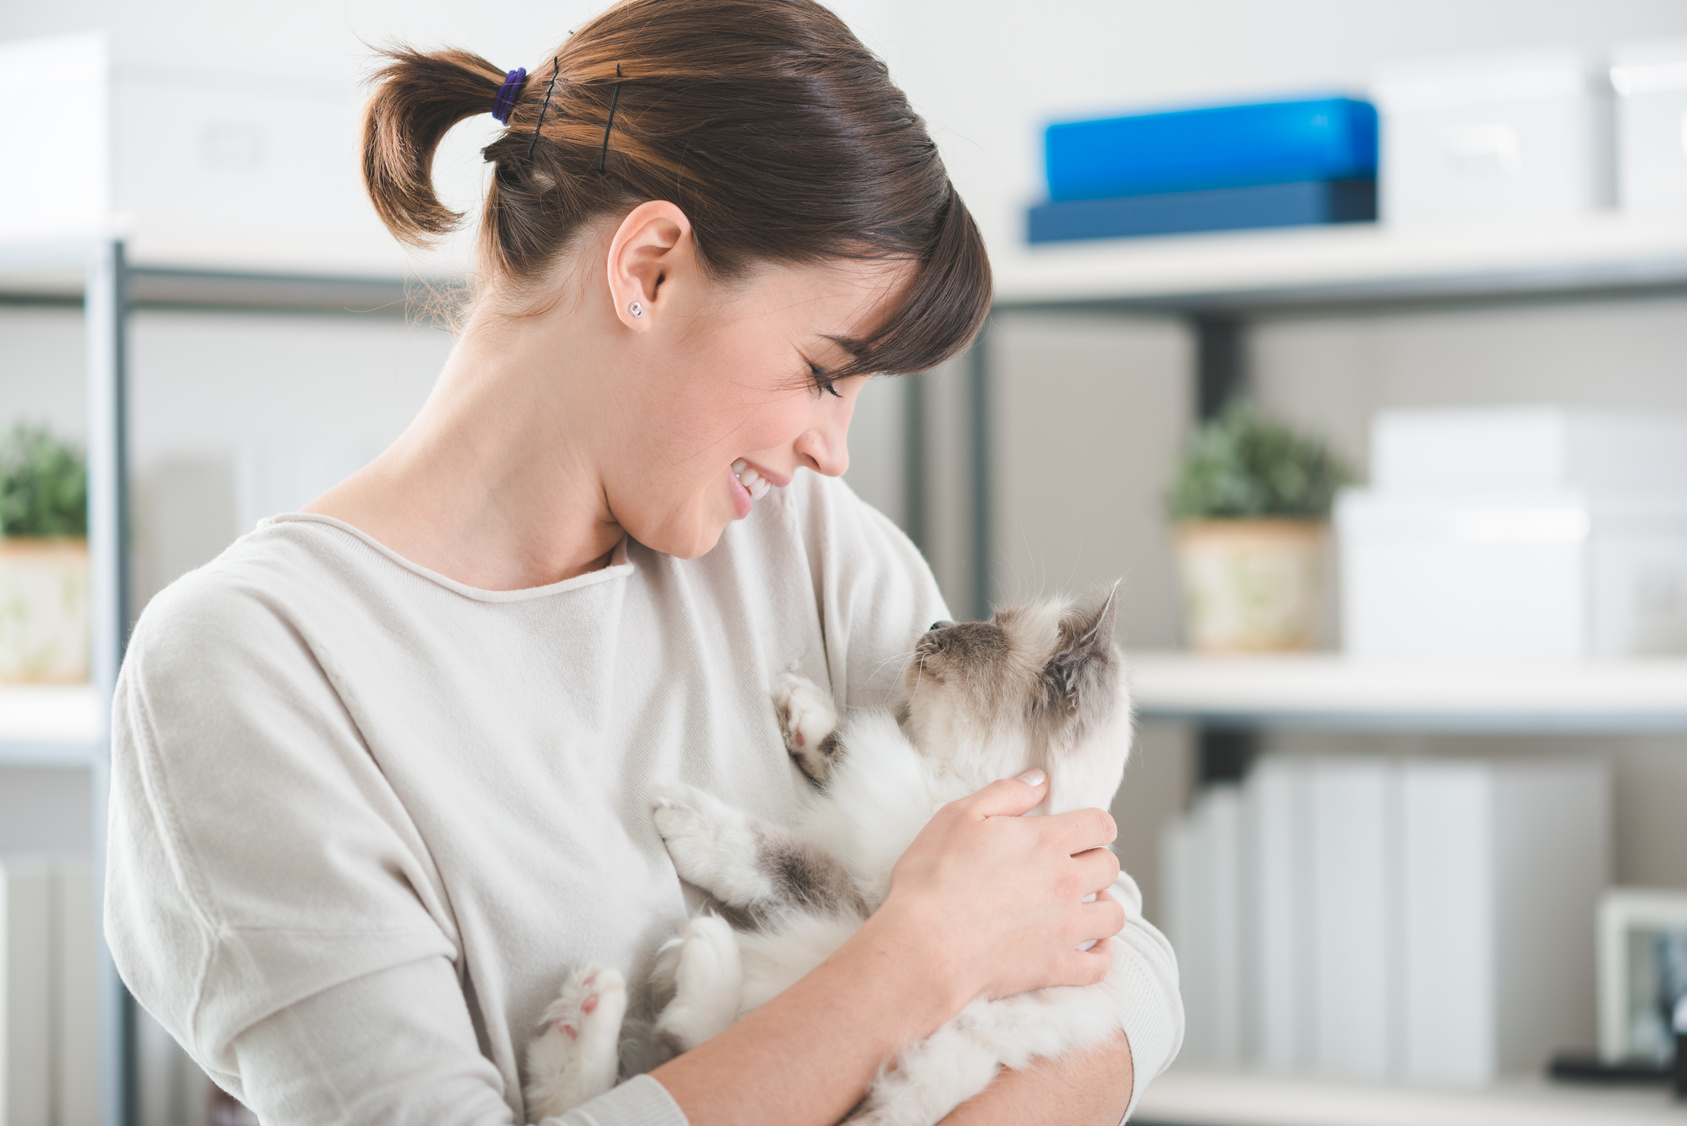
column 767, row 122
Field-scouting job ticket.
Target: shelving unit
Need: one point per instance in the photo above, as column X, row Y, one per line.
column 1218, row 283
column 1192, row 1097
column 49, row 726
column 1345, row 264
column 70, row 726
column 1329, row 690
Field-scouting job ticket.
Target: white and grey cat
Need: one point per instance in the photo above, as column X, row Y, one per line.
column 1039, row 685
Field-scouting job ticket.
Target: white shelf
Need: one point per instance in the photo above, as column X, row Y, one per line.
column 1204, row 1098
column 49, row 726
column 1358, row 262
column 1329, row 690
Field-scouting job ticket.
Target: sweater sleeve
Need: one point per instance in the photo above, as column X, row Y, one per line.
column 269, row 900
column 1152, row 1017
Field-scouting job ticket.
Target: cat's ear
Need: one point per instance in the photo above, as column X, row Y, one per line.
column 1088, row 637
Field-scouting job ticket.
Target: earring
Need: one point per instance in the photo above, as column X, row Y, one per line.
column 636, row 309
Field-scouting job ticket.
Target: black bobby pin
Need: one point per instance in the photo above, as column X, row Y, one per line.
column 545, row 105
column 610, row 124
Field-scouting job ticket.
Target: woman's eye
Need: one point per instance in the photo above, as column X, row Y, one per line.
column 822, row 380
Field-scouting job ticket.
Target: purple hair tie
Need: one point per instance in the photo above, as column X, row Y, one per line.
column 504, row 104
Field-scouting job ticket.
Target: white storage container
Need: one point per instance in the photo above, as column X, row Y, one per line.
column 1501, row 866
column 1651, row 84
column 202, row 160
column 1515, row 137
column 1538, row 576
column 1547, row 447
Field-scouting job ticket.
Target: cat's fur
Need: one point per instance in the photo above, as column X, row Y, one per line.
column 1039, row 685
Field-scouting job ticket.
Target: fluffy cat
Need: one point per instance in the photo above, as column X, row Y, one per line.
column 1039, row 685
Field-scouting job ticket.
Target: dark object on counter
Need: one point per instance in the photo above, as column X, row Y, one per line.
column 1581, row 1067
column 1304, row 203
column 1680, row 1064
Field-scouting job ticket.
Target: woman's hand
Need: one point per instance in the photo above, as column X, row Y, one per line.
column 998, row 899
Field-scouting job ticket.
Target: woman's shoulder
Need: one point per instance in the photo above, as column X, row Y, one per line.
column 244, row 600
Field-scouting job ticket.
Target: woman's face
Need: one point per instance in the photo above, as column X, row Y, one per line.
column 730, row 397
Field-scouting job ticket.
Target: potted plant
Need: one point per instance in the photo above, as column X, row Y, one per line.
column 43, row 559
column 1252, row 505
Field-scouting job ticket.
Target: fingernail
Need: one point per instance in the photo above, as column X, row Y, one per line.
column 1032, row 777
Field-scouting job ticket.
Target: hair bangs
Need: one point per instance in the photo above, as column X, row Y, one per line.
column 941, row 311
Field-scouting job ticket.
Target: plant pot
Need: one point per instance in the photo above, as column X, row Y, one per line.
column 44, row 611
column 1251, row 586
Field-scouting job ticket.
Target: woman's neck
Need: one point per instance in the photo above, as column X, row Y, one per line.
column 493, row 485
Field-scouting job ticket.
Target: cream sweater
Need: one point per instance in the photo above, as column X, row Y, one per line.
column 363, row 816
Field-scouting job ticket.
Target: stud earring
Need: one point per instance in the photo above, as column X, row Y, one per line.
column 636, row 309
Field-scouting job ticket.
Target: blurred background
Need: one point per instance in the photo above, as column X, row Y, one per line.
column 1351, row 336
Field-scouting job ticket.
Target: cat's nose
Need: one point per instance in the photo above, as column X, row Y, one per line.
column 941, row 624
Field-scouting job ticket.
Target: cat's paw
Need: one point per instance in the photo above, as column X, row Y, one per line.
column 712, row 845
column 576, row 1055
column 708, row 985
column 807, row 721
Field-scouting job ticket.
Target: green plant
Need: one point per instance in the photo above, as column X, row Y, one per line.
column 1240, row 465
column 43, row 485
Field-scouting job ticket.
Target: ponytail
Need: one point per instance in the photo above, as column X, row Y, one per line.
column 418, row 98
column 767, row 122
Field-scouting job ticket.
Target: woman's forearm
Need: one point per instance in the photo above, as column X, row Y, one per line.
column 808, row 1055
column 1090, row 1089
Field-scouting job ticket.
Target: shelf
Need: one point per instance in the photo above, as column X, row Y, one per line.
column 1201, row 1098
column 52, row 272
column 49, row 726
column 1332, row 691
column 1347, row 264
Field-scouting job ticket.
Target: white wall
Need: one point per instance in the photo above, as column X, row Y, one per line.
column 987, row 74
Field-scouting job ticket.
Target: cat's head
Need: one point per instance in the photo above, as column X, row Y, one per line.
column 1039, row 684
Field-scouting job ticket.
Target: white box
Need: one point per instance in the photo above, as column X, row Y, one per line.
column 1511, row 137
column 1502, row 865
column 1543, row 576
column 1277, row 912
column 1355, row 923
column 1651, row 84
column 193, row 159
column 1523, row 448
column 1201, row 857
column 25, row 993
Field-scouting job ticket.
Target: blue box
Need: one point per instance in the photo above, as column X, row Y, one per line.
column 1217, row 147
column 1210, row 209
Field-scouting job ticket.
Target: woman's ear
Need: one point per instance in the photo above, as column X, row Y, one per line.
column 650, row 251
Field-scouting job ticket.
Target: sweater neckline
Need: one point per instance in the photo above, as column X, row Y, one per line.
column 620, row 563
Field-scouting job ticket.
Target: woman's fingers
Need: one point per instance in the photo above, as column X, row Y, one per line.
column 1010, row 797
column 1086, row 967
column 1084, row 829
column 1097, row 869
column 1102, row 919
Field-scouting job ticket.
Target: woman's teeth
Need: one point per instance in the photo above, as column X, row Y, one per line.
column 750, row 479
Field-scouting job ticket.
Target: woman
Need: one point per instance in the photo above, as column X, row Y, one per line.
column 383, row 771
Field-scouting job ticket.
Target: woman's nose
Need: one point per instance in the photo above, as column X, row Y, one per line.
column 825, row 447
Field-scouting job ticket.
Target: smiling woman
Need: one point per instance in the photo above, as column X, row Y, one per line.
column 384, row 772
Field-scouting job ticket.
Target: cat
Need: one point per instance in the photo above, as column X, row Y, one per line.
column 1040, row 684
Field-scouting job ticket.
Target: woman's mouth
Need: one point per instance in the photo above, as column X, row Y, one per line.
column 747, row 486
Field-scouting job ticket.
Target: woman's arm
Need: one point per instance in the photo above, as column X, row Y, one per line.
column 984, row 902
column 1088, row 1089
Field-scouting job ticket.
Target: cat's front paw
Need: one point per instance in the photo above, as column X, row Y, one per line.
column 712, row 845
column 576, row 1055
column 808, row 721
